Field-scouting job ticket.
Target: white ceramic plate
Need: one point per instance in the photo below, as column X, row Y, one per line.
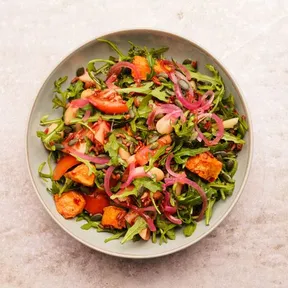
column 180, row 49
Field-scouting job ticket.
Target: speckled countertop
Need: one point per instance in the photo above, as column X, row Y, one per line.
column 249, row 249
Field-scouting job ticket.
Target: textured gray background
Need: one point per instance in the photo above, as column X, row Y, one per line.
column 249, row 249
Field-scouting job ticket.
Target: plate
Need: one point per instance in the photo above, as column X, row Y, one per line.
column 179, row 49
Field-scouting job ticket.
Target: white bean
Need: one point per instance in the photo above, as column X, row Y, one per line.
column 164, row 125
column 125, row 155
column 70, row 114
column 158, row 173
column 230, row 123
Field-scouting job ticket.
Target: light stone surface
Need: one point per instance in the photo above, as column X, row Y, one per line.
column 249, row 249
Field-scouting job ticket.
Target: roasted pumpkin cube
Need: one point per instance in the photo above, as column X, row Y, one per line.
column 205, row 165
column 80, row 174
column 143, row 67
column 114, row 217
column 69, row 204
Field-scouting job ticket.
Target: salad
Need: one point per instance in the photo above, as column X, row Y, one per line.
column 145, row 146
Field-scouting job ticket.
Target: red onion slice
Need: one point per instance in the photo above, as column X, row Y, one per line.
column 107, row 178
column 93, row 159
column 79, row 103
column 173, row 219
column 110, row 81
column 168, row 167
column 86, row 115
column 135, row 173
column 219, row 133
column 116, row 69
column 172, row 109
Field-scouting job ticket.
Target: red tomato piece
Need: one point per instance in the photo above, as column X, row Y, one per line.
column 64, row 164
column 96, row 204
column 109, row 101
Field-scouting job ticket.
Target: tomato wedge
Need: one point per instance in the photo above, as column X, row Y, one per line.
column 63, row 166
column 145, row 153
column 96, row 204
column 108, row 101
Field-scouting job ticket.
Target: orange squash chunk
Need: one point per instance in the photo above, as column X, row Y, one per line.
column 205, row 165
column 113, row 217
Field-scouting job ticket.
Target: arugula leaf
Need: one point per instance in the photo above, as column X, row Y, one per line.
column 182, row 156
column 243, row 126
column 229, row 137
column 138, row 226
column 208, row 212
column 112, row 147
column 192, row 198
column 186, row 130
column 148, row 183
column 227, row 188
column 75, row 90
column 41, row 166
column 97, row 116
column 90, row 224
column 44, row 120
column 114, row 47
column 144, row 109
column 155, row 157
column 92, row 71
column 164, row 227
column 145, row 89
column 160, row 94
column 126, row 192
column 219, row 147
column 57, row 188
column 53, row 136
column 60, row 99
column 115, row 236
column 213, row 81
column 189, row 229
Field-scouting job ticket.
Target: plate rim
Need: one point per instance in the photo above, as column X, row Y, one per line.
column 250, row 148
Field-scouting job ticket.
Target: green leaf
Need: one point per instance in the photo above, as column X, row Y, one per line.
column 112, row 147
column 160, row 94
column 227, row 188
column 86, row 226
column 97, row 116
column 229, row 137
column 208, row 212
column 75, row 90
column 115, row 236
column 126, row 192
column 171, row 234
column 138, row 226
column 186, row 130
column 148, row 183
column 156, row 156
column 189, row 229
column 219, row 147
column 41, row 166
column 92, row 71
column 182, row 156
column 52, row 136
column 114, row 47
column 145, row 89
column 144, row 109
column 60, row 98
column 44, row 120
